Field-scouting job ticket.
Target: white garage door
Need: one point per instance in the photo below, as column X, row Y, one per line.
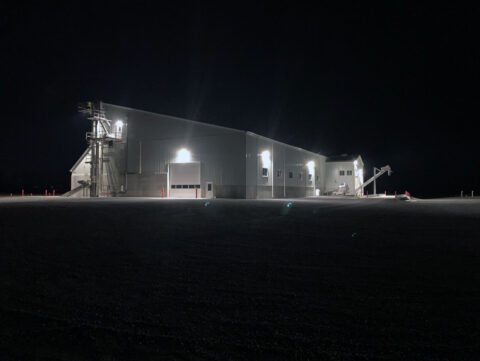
column 185, row 180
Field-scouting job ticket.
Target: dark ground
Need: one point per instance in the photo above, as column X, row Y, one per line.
column 146, row 279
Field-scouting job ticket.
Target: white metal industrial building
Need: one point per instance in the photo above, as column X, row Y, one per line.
column 138, row 153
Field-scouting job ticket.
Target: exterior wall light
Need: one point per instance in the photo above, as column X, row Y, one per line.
column 265, row 159
column 311, row 167
column 118, row 128
column 183, row 156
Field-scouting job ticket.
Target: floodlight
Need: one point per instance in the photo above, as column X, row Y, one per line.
column 266, row 159
column 183, row 156
column 311, row 166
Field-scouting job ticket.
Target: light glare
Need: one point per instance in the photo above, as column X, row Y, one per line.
column 118, row 129
column 183, row 156
column 265, row 159
column 311, row 166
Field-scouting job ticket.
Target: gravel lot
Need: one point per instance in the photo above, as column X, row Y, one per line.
column 149, row 279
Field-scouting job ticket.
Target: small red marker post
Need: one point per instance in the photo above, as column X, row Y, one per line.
column 23, row 192
column 46, row 193
column 11, row 194
column 395, row 194
column 196, row 193
column 54, row 192
column 385, row 192
column 31, row 194
column 163, row 192
column 367, row 194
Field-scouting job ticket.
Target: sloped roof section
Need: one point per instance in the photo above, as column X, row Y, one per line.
column 343, row 158
column 80, row 159
column 198, row 123
column 171, row 117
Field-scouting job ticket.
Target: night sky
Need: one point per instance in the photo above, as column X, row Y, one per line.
column 396, row 84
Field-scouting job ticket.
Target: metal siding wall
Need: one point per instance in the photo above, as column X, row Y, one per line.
column 229, row 158
column 279, row 191
column 321, row 170
column 264, row 184
column 251, row 163
column 334, row 179
column 285, row 158
column 80, row 173
column 221, row 151
column 133, row 154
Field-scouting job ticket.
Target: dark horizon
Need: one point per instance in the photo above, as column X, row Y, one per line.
column 394, row 84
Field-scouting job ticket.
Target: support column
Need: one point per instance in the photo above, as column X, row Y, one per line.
column 94, row 160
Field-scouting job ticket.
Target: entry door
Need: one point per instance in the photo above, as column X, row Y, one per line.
column 209, row 190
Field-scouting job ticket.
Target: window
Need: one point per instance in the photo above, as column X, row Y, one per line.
column 309, row 177
column 290, row 174
column 264, row 172
column 197, row 185
column 342, row 172
column 279, row 173
column 173, row 186
column 191, row 186
column 209, row 187
column 349, row 172
column 185, row 186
